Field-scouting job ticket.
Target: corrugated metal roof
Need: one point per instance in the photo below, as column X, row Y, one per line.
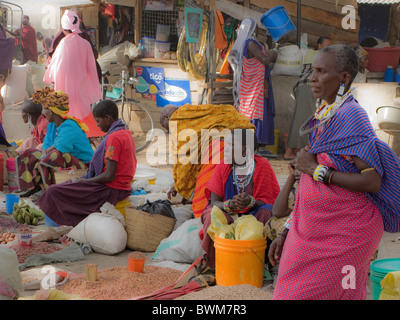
column 378, row 1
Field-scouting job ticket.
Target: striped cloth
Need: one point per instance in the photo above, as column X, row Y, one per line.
column 215, row 154
column 97, row 164
column 350, row 133
column 252, row 86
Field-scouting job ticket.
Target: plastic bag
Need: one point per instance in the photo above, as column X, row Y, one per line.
column 10, row 277
column 391, row 286
column 183, row 245
column 218, row 220
column 248, row 228
column 162, row 207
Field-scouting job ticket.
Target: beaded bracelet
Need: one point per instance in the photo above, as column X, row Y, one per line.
column 226, row 207
column 319, row 173
column 252, row 202
column 328, row 176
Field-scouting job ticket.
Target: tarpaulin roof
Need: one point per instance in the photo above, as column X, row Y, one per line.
column 378, row 1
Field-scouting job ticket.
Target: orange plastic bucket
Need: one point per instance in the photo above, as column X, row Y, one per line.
column 239, row 261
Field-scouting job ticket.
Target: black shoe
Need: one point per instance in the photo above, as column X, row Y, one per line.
column 28, row 193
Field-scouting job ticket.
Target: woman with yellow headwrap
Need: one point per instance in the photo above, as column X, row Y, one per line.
column 65, row 144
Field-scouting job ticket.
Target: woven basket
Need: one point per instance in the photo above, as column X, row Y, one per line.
column 68, row 175
column 145, row 230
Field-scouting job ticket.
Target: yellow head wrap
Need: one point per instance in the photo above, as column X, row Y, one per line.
column 57, row 102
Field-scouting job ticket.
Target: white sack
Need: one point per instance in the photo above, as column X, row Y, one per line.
column 183, row 245
column 103, row 231
column 288, row 62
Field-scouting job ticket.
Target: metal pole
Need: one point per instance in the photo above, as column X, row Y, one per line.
column 298, row 22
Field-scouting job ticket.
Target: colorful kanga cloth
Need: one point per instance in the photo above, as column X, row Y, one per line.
column 32, row 170
column 335, row 231
column 197, row 118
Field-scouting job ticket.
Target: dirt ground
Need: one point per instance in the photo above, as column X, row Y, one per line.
column 15, row 130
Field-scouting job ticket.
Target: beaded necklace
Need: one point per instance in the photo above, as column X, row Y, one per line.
column 244, row 180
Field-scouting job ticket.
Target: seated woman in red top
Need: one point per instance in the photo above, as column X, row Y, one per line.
column 108, row 179
column 31, row 113
column 244, row 184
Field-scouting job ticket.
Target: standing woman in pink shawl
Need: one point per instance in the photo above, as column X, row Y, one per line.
column 72, row 69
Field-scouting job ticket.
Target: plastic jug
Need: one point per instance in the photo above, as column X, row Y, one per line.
column 140, row 47
column 389, row 74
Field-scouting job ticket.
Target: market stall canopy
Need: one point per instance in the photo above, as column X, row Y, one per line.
column 378, row 1
column 318, row 18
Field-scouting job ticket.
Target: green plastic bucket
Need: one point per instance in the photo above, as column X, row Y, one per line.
column 378, row 270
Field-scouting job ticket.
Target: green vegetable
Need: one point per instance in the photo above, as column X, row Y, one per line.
column 23, row 213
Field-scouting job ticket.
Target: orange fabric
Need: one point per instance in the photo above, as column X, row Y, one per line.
column 225, row 65
column 199, row 201
column 220, row 36
column 94, row 130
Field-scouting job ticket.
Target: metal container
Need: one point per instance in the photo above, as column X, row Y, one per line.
column 388, row 119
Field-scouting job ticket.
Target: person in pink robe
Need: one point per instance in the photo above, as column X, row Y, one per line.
column 72, row 69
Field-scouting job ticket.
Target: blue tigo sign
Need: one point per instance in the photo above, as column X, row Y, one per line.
column 177, row 92
column 151, row 80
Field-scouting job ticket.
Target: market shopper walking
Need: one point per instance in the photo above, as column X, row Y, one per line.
column 28, row 41
column 347, row 195
column 72, row 69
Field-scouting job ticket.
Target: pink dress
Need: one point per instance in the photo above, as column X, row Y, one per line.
column 72, row 69
column 332, row 238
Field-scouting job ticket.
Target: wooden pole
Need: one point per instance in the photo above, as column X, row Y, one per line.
column 138, row 21
column 298, row 22
column 212, row 49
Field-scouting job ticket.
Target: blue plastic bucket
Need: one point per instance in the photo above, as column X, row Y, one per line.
column 378, row 270
column 277, row 22
column 49, row 222
column 11, row 198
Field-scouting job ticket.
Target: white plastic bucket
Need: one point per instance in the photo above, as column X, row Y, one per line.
column 161, row 48
column 162, row 33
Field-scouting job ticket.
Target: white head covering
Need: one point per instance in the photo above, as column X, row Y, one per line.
column 68, row 19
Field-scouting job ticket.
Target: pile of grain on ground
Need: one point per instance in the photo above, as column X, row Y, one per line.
column 238, row 292
column 118, row 283
column 8, row 223
column 37, row 248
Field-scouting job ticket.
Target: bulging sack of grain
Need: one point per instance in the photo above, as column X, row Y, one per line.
column 103, row 231
column 146, row 231
column 10, row 277
column 183, row 245
column 288, row 62
column 14, row 91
